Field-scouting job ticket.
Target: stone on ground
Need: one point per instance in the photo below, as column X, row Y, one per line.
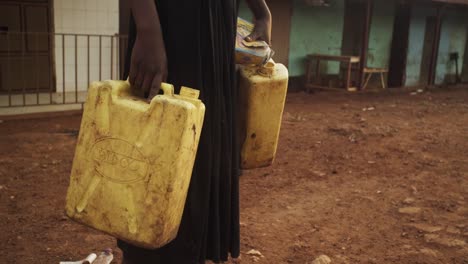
column 444, row 241
column 426, row 228
column 323, row 259
column 409, row 210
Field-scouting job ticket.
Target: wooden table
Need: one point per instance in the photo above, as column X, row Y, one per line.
column 348, row 62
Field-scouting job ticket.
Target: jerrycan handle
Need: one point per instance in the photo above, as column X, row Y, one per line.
column 168, row 89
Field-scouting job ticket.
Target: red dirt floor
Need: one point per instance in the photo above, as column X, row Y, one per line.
column 361, row 178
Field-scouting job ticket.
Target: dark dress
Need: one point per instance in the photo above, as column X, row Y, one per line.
column 199, row 37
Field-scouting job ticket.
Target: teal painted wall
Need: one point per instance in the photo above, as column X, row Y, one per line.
column 381, row 33
column 452, row 39
column 315, row 30
column 416, row 42
column 320, row 30
column 244, row 11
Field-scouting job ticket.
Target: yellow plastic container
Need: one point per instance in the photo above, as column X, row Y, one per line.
column 262, row 97
column 133, row 162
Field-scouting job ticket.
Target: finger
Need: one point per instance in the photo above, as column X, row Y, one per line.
column 139, row 79
column 155, row 86
column 133, row 73
column 146, row 84
column 252, row 37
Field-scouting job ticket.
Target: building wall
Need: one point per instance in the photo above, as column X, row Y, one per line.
column 416, row 42
column 453, row 39
column 85, row 17
column 320, row 30
column 244, row 11
column 381, row 33
column 315, row 30
column 464, row 72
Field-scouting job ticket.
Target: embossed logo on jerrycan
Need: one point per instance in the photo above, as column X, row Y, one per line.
column 133, row 162
column 262, row 97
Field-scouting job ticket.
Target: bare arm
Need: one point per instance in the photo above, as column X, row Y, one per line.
column 262, row 30
column 148, row 66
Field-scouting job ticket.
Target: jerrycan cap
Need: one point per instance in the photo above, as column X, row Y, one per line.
column 267, row 70
column 189, row 92
column 186, row 92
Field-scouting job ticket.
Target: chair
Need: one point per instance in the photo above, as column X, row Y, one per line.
column 370, row 71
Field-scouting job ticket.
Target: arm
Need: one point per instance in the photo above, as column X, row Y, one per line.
column 148, row 66
column 261, row 12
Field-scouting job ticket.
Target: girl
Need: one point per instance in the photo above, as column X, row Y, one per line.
column 191, row 43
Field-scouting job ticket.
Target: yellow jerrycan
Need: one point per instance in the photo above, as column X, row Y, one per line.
column 262, row 97
column 133, row 162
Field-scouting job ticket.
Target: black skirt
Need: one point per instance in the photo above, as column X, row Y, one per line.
column 199, row 37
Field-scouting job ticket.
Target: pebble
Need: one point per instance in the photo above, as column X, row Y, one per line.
column 408, row 200
column 426, row 228
column 323, row 259
column 444, row 241
column 409, row 210
column 254, row 252
column 319, row 173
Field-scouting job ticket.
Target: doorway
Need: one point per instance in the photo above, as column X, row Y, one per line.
column 464, row 73
column 353, row 43
column 428, row 46
column 399, row 50
column 25, row 46
column 281, row 12
column 353, row 28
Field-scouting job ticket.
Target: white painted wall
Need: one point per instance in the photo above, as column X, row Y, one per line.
column 96, row 17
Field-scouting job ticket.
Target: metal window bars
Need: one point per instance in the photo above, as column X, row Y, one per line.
column 55, row 68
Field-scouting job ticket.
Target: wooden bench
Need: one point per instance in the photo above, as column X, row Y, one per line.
column 347, row 61
column 371, row 71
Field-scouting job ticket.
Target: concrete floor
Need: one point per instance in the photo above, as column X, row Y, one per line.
column 33, row 103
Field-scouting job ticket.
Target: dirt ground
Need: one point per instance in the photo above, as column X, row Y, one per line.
column 361, row 178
